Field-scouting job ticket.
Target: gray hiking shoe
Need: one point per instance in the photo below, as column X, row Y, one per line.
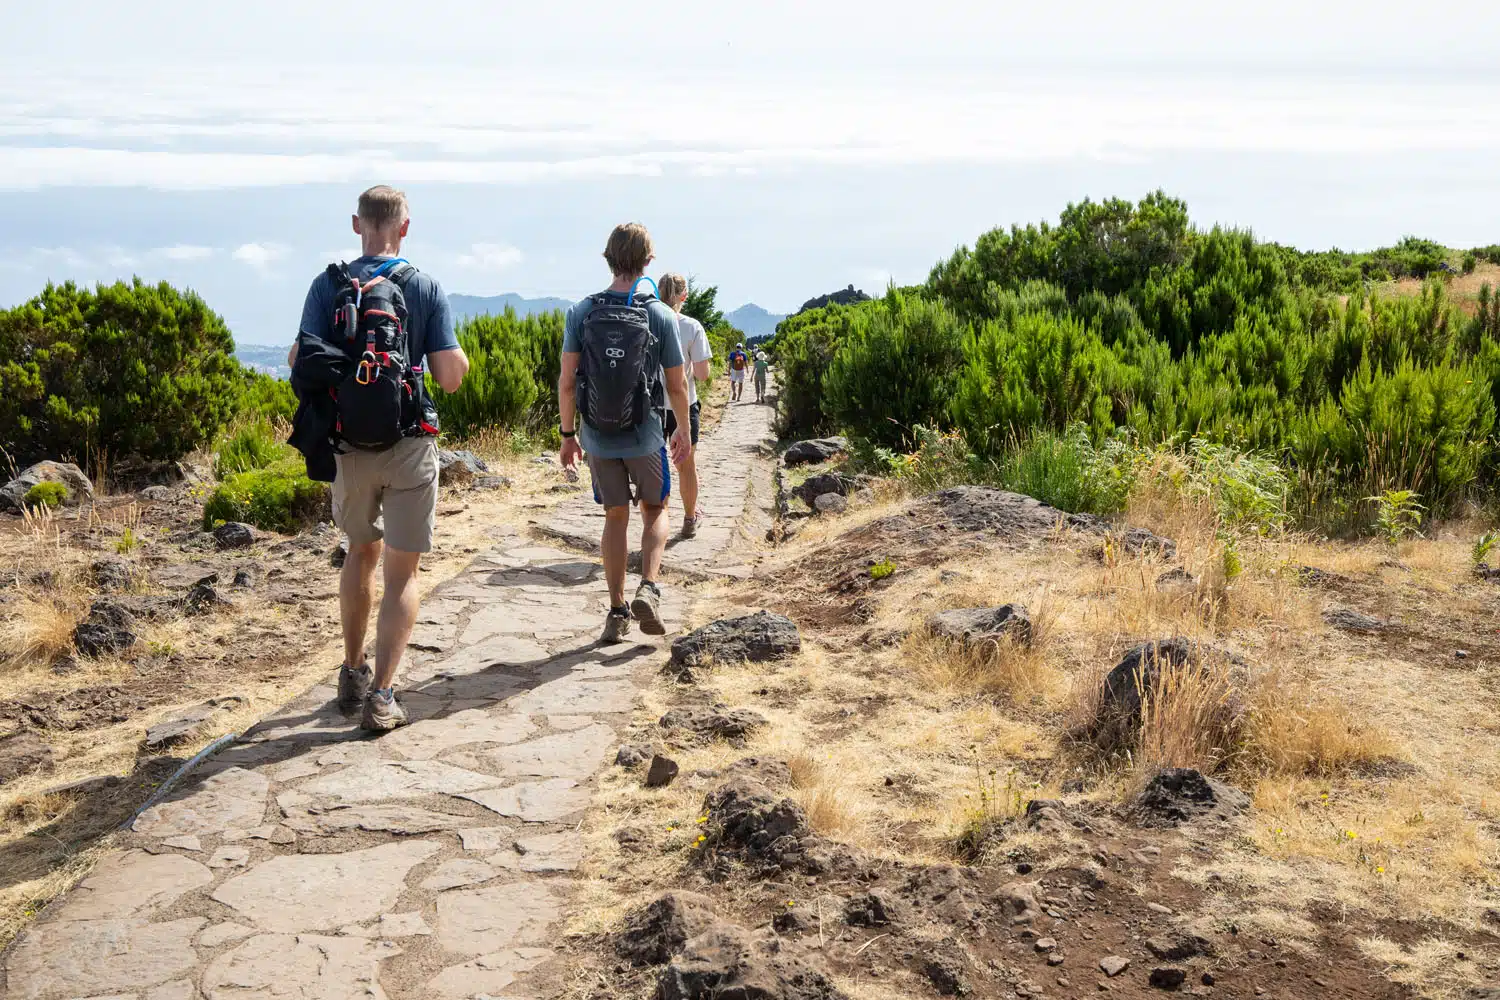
column 354, row 687
column 690, row 525
column 644, row 607
column 382, row 714
column 616, row 625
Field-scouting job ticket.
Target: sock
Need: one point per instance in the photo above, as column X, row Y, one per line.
column 387, row 694
column 622, row 611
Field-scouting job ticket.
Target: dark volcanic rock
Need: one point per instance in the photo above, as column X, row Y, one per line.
column 112, row 574
column 814, row 450
column 759, row 637
column 491, row 483
column 339, row 553
column 79, row 489
column 732, row 724
column 629, row 756
column 823, row 483
column 92, row 639
column 947, row 975
column 977, row 626
column 234, row 535
column 875, row 908
column 1168, row 978
column 23, row 753
column 1181, row 795
column 663, row 771
column 831, row 503
column 1349, row 620
column 459, row 467
column 751, row 817
column 1139, row 670
column 1178, row 946
column 657, row 931
column 727, row 963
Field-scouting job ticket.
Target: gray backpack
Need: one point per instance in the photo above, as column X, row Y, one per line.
column 617, row 370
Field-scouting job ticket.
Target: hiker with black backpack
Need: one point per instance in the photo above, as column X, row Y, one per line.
column 621, row 364
column 370, row 330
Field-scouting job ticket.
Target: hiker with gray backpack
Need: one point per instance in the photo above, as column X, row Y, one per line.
column 621, row 366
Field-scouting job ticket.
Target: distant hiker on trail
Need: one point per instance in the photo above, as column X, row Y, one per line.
column 696, row 354
column 367, row 327
column 762, row 365
column 620, row 353
column 738, row 362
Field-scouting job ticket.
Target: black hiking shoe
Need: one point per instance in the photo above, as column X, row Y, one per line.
column 616, row 625
column 382, row 714
column 645, row 608
column 354, row 687
column 690, row 526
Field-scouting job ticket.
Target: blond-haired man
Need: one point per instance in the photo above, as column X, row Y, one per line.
column 696, row 354
column 385, row 496
column 620, row 354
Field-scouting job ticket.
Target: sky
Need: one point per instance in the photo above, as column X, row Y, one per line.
column 778, row 150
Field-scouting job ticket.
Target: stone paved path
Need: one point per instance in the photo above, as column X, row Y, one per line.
column 309, row 863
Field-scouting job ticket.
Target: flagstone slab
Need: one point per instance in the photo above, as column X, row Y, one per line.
column 569, row 696
column 235, row 797
column 457, row 873
column 490, row 919
column 82, row 958
column 541, row 853
column 431, row 737
column 534, row 801
column 387, row 780
column 299, row 967
column 487, row 838
column 485, row 976
column 394, row 818
column 577, row 754
column 129, row 882
column 177, row 989
column 225, row 933
column 308, row 892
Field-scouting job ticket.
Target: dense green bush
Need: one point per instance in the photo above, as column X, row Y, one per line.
column 117, row 370
column 894, row 368
column 277, row 498
column 45, row 494
column 510, row 360
column 267, row 397
column 1069, row 472
column 804, row 347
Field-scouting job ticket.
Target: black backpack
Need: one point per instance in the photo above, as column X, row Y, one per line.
column 617, row 370
column 384, row 399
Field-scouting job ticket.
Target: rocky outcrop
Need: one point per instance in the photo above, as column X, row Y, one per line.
column 815, row 450
column 978, row 626
column 234, row 535
column 729, row 724
column 756, row 638
column 1178, row 795
column 78, row 487
column 844, row 297
column 728, row 963
column 1118, row 717
column 459, row 468
column 657, row 931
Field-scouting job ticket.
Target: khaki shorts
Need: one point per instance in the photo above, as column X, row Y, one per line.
column 651, row 475
column 398, row 487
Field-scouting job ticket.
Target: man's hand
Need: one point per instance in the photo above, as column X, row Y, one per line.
column 682, row 444
column 571, row 452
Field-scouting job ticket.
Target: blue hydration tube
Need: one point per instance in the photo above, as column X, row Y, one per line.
column 388, row 265
column 654, row 291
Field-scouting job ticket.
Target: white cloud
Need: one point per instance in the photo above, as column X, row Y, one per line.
column 183, row 251
column 260, row 255
column 490, row 257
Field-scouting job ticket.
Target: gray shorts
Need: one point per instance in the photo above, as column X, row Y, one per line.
column 389, row 494
column 651, row 475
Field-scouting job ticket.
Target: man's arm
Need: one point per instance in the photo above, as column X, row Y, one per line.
column 449, row 368
column 291, row 356
column 700, row 370
column 567, row 408
column 677, row 395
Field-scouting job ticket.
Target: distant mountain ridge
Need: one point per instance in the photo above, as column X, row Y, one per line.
column 486, row 305
column 754, row 321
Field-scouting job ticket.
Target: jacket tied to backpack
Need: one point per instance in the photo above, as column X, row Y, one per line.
column 362, row 389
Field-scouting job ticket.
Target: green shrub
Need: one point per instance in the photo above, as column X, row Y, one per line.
column 267, row 398
column 502, row 384
column 117, row 370
column 1471, row 262
column 277, row 498
column 894, row 370
column 1398, row 514
column 45, row 494
column 1070, row 473
column 255, row 446
column 804, row 347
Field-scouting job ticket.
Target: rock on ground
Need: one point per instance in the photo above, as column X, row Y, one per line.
column 821, row 484
column 814, row 450
column 1349, row 620
column 22, row 754
column 657, row 931
column 70, row 476
column 1119, row 712
column 977, row 626
column 1181, row 795
column 759, row 637
column 831, row 503
column 234, row 535
column 459, row 467
column 727, row 962
column 732, row 724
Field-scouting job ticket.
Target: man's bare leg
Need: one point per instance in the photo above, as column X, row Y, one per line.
column 687, row 476
column 398, row 613
column 356, row 594
column 614, row 548
column 653, row 541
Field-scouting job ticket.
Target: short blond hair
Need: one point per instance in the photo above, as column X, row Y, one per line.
column 382, row 207
column 629, row 249
column 671, row 286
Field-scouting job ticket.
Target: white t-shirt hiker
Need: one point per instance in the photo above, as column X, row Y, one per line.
column 695, row 348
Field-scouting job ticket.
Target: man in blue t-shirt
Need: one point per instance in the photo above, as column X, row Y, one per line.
column 385, row 499
column 636, row 458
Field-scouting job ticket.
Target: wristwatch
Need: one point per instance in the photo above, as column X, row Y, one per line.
column 567, row 434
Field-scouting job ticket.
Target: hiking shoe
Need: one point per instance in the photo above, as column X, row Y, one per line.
column 644, row 607
column 616, row 625
column 690, row 526
column 383, row 713
column 354, row 687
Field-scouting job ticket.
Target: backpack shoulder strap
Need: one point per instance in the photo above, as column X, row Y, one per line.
column 401, row 274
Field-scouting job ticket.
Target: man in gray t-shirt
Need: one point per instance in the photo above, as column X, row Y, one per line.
column 635, row 464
